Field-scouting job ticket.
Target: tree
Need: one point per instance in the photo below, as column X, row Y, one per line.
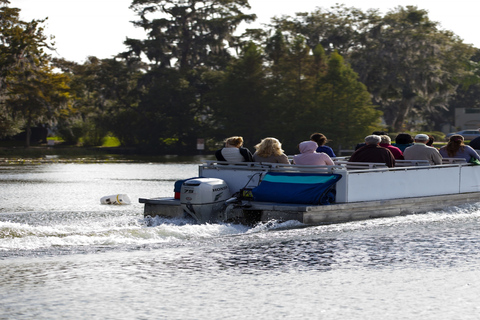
column 36, row 96
column 188, row 33
column 29, row 89
column 343, row 109
column 102, row 90
column 188, row 41
column 337, row 28
column 21, row 44
column 244, row 107
column 410, row 67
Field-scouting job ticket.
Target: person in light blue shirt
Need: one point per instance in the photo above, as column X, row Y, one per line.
column 455, row 148
column 321, row 140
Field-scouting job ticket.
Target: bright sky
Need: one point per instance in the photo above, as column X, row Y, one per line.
column 98, row 27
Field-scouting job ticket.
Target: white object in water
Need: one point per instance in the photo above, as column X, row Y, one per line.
column 115, row 199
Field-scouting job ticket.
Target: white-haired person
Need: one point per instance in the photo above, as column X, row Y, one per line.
column 270, row 150
column 372, row 152
column 420, row 151
column 387, row 143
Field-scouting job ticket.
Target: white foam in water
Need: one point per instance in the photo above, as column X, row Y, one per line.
column 453, row 214
column 62, row 229
column 105, row 230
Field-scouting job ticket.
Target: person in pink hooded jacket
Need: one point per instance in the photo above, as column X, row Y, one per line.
column 308, row 155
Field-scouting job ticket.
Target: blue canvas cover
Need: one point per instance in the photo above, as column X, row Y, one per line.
column 298, row 188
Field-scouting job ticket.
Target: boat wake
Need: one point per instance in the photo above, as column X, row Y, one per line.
column 76, row 232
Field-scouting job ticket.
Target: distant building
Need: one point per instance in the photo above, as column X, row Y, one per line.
column 467, row 118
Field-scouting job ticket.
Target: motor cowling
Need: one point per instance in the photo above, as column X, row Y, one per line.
column 204, row 198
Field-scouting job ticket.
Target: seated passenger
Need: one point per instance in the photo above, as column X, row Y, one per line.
column 420, row 151
column 475, row 143
column 308, row 155
column 233, row 151
column 321, row 140
column 431, row 140
column 270, row 150
column 363, row 144
column 455, row 148
column 403, row 141
column 386, row 143
column 372, row 152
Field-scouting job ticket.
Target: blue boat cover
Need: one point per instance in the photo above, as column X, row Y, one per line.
column 299, row 188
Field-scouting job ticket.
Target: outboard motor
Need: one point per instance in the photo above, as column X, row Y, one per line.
column 204, row 198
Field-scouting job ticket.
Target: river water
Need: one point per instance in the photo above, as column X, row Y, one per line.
column 63, row 255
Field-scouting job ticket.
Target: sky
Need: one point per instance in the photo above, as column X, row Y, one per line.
column 98, row 28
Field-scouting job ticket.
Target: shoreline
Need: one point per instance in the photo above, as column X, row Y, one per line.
column 48, row 154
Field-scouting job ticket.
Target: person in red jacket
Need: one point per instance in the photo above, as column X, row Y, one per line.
column 387, row 143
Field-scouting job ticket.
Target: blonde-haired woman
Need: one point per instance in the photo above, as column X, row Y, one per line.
column 234, row 151
column 270, row 150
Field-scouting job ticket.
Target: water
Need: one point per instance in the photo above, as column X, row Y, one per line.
column 63, row 255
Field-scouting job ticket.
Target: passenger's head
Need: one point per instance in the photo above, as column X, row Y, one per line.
column 307, row 147
column 235, row 141
column 455, row 142
column 403, row 138
column 372, row 139
column 385, row 139
column 431, row 140
column 421, row 138
column 319, row 138
column 268, row 147
column 379, row 133
column 456, row 139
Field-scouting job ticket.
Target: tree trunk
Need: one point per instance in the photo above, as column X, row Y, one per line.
column 28, row 131
column 403, row 109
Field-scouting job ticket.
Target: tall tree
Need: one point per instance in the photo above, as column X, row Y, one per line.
column 188, row 33
column 344, row 109
column 103, row 89
column 409, row 65
column 22, row 45
column 187, row 41
column 37, row 95
column 244, row 107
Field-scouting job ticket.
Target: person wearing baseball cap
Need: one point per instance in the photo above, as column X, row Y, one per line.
column 420, row 151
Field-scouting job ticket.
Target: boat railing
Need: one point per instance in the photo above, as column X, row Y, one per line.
column 360, row 165
column 454, row 161
column 411, row 163
column 339, row 165
column 268, row 166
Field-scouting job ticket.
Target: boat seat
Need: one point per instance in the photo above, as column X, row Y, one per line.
column 411, row 163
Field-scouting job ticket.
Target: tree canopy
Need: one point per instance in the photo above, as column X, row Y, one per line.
column 340, row 71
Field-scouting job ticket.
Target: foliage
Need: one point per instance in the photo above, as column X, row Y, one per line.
column 22, row 58
column 338, row 71
column 410, row 66
column 186, row 34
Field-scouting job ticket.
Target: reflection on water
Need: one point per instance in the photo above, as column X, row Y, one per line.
column 63, row 254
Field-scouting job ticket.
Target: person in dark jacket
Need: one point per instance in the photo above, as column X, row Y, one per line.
column 321, row 140
column 372, row 152
column 403, row 141
column 234, row 151
column 475, row 143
